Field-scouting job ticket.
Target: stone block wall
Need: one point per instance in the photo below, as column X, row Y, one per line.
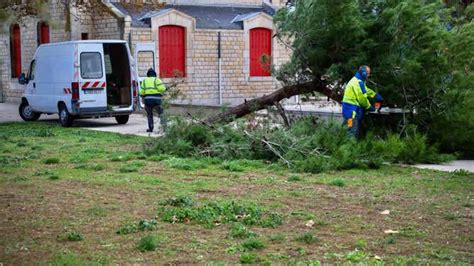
column 10, row 90
column 201, row 84
column 108, row 27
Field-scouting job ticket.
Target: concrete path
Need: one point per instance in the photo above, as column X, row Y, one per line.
column 467, row 165
column 137, row 124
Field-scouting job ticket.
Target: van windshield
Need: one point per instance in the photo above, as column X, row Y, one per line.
column 91, row 66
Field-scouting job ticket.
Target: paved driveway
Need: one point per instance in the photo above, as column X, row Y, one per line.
column 137, row 124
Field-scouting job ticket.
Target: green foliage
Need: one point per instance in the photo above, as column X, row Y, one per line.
column 53, row 177
column 142, row 225
column 307, row 145
column 339, row 182
column 356, row 256
column 238, row 230
column 423, row 64
column 184, row 164
column 248, row 258
column 307, row 238
column 253, row 244
column 133, row 166
column 295, row 178
column 72, row 236
column 411, row 232
column 147, row 243
column 211, row 213
column 361, row 244
column 51, row 160
column 183, row 201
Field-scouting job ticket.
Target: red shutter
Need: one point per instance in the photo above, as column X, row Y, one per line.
column 44, row 33
column 172, row 51
column 260, row 45
column 15, row 51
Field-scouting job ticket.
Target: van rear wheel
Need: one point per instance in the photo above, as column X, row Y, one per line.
column 122, row 119
column 65, row 117
column 26, row 112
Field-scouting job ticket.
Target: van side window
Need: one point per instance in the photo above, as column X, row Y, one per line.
column 31, row 73
column 91, row 65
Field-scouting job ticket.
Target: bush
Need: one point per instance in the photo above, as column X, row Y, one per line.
column 308, row 146
column 252, row 244
column 147, row 243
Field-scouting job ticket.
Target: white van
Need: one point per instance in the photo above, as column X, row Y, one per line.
column 80, row 79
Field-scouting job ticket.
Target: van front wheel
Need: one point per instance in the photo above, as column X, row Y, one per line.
column 27, row 114
column 65, row 117
column 122, row 119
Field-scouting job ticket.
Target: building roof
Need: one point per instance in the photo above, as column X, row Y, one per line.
column 207, row 17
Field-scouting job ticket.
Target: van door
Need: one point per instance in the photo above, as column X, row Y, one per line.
column 145, row 59
column 92, row 84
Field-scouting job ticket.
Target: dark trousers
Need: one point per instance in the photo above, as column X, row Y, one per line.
column 353, row 126
column 153, row 103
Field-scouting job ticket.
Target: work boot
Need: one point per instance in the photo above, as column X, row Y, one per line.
column 149, row 130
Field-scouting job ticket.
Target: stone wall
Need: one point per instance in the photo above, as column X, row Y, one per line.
column 201, row 84
column 108, row 27
column 9, row 87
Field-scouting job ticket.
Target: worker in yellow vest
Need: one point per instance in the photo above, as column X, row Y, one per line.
column 152, row 90
column 356, row 101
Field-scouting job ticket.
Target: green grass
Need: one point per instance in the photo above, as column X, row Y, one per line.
column 101, row 196
column 147, row 243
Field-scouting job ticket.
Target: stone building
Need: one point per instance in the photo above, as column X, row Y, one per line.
column 220, row 49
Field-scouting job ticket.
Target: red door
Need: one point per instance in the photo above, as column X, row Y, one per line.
column 260, row 52
column 44, row 33
column 15, row 51
column 172, row 51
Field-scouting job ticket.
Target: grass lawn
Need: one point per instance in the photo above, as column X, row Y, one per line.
column 73, row 196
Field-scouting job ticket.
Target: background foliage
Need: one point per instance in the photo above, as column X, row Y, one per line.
column 419, row 51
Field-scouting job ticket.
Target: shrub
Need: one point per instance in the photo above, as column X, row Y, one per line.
column 147, row 243
column 252, row 244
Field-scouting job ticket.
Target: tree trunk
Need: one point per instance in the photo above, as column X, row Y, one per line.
column 267, row 100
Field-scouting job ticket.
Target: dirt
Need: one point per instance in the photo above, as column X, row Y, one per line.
column 35, row 215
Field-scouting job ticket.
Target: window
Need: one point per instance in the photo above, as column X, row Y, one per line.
column 43, row 33
column 172, row 51
column 15, row 50
column 31, row 74
column 91, row 66
column 84, row 36
column 260, row 52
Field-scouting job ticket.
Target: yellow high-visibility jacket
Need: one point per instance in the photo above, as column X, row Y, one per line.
column 151, row 86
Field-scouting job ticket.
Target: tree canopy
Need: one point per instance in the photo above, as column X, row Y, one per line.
column 420, row 52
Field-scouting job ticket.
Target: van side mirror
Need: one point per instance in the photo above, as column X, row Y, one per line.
column 22, row 79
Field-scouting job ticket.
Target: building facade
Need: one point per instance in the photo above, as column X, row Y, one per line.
column 221, row 50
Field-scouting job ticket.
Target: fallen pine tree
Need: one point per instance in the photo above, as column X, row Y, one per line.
column 274, row 98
